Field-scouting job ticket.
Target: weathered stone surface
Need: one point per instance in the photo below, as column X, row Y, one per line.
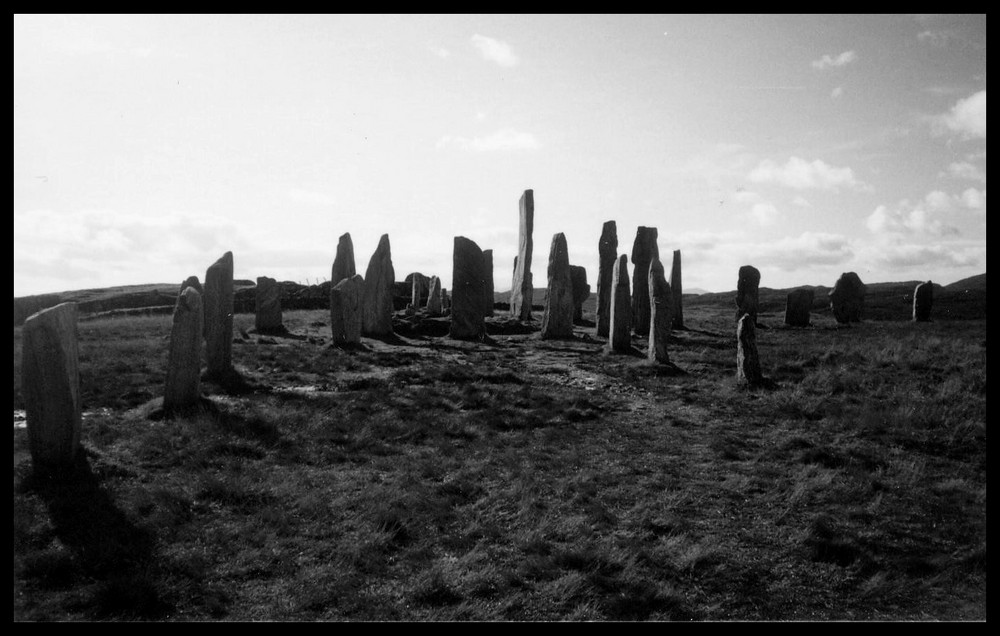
column 268, row 316
column 218, row 307
column 923, row 300
column 488, row 296
column 581, row 290
column 419, row 287
column 620, row 334
column 343, row 262
column 521, row 291
column 467, row 291
column 746, row 292
column 607, row 249
column 798, row 305
column 192, row 281
column 50, row 383
column 376, row 303
column 434, row 307
column 183, row 385
column 747, row 361
column 847, row 298
column 557, row 320
column 644, row 250
column 677, row 306
column 345, row 310
column 445, row 300
column 660, row 313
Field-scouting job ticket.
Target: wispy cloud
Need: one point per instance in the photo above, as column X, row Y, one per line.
column 504, row 139
column 828, row 61
column 964, row 170
column 800, row 174
column 495, row 50
column 934, row 38
column 837, row 92
column 968, row 116
column 922, row 217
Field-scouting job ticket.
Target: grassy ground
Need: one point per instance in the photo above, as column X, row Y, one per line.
column 429, row 479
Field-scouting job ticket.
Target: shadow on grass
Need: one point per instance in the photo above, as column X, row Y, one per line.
column 232, row 382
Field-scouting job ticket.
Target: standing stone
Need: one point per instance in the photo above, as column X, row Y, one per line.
column 747, row 363
column 677, row 307
column 521, row 291
column 183, row 386
column 644, row 250
column 797, row 307
column 218, row 308
column 376, row 303
column 343, row 263
column 268, row 305
column 192, row 281
column 923, row 300
column 847, row 298
column 50, row 383
column 746, row 292
column 419, row 285
column 467, row 291
column 445, row 300
column 345, row 310
column 608, row 250
column 557, row 321
column 660, row 312
column 620, row 335
column 434, row 307
column 581, row 290
column 488, row 299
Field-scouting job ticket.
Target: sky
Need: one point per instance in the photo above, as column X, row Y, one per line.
column 146, row 146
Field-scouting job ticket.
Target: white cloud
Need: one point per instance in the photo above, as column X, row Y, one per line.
column 495, row 50
column 761, row 211
column 922, row 217
column 808, row 249
column 504, row 139
column 837, row 92
column 974, row 199
column 934, row 38
column 802, row 202
column 800, row 174
column 440, row 51
column 965, row 170
column 968, row 116
column 828, row 60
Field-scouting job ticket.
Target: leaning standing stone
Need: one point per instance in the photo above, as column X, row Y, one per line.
column 376, row 304
column 218, row 307
column 50, row 382
column 847, row 298
column 797, row 307
column 923, row 300
column 660, row 314
column 488, row 299
column 345, row 310
column 644, row 250
column 521, row 291
column 747, row 363
column 557, row 321
column 183, row 387
column 607, row 248
column 746, row 292
column 581, row 290
column 677, row 307
column 268, row 305
column 620, row 337
column 343, row 263
column 434, row 297
column 467, row 291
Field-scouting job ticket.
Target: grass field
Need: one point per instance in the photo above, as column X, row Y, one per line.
column 520, row 479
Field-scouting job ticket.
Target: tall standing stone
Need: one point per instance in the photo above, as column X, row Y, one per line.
column 620, row 334
column 581, row 290
column 268, row 295
column 345, row 310
column 607, row 248
column 847, row 298
column 376, row 303
column 434, row 307
column 488, row 299
column 467, row 291
column 557, row 321
column 923, row 300
column 343, row 263
column 183, row 385
column 644, row 250
column 660, row 312
column 798, row 305
column 677, row 306
column 218, row 308
column 521, row 291
column 50, row 383
column 746, row 292
column 748, row 371
column 419, row 285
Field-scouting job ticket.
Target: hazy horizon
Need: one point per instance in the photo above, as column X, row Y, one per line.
column 146, row 146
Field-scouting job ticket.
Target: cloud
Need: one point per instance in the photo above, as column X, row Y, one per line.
column 800, row 174
column 968, row 116
column 495, row 50
column 965, row 170
column 440, row 51
column 504, row 139
column 761, row 211
column 921, row 217
column 808, row 249
column 827, row 60
column 802, row 202
column 837, row 92
column 934, row 38
column 924, row 256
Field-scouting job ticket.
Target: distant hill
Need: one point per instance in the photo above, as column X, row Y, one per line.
column 970, row 283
